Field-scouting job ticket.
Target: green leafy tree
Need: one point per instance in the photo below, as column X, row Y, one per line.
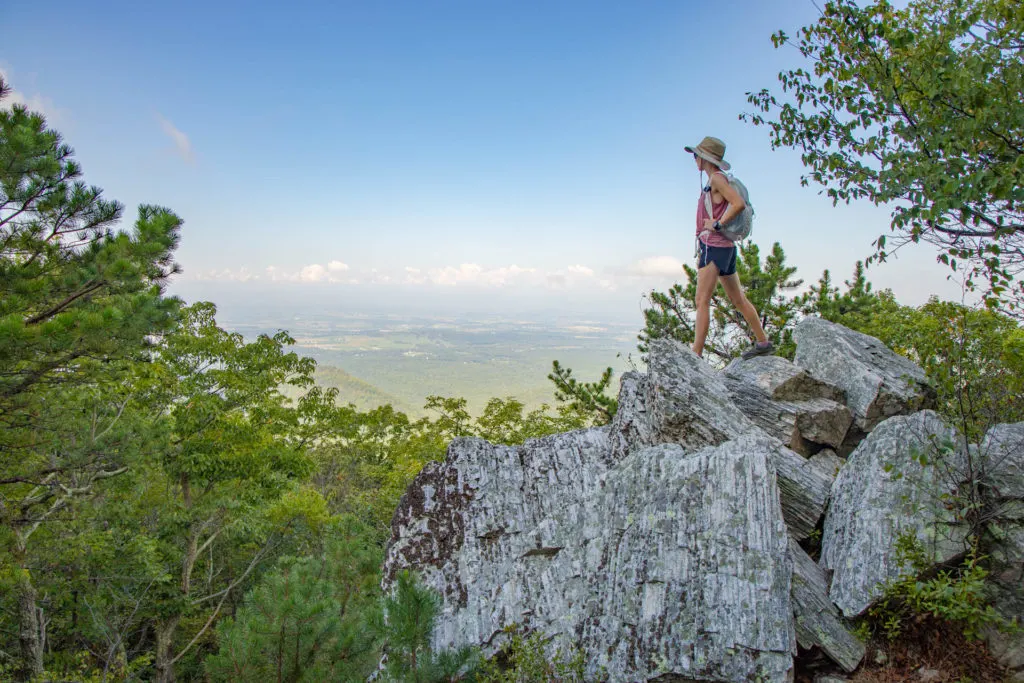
column 857, row 307
column 307, row 620
column 407, row 625
column 365, row 463
column 78, row 302
column 219, row 494
column 918, row 109
column 453, row 418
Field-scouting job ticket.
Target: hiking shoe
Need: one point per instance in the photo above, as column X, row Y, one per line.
column 759, row 349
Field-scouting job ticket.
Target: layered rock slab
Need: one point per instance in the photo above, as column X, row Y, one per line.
column 681, row 400
column 893, row 484
column 665, row 564
column 818, row 622
column 784, row 400
column 877, row 382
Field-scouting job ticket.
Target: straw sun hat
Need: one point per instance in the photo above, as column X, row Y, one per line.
column 711, row 149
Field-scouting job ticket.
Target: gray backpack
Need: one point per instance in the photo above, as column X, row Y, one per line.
column 740, row 226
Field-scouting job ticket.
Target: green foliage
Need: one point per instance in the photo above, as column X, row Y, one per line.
column 222, row 492
column 406, row 625
column 307, row 620
column 956, row 596
column 453, row 420
column 504, row 421
column 523, row 660
column 918, row 109
column 587, row 399
column 767, row 285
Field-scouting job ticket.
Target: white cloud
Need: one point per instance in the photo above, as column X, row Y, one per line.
column 313, row 273
column 652, row 271
column 243, row 274
column 182, row 145
column 655, row 266
column 34, row 102
column 473, row 274
column 414, row 276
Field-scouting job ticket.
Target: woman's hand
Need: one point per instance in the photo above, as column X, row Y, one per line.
column 709, row 225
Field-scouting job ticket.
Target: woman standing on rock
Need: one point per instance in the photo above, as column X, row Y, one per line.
column 717, row 253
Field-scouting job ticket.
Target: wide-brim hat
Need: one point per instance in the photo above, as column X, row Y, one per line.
column 711, row 149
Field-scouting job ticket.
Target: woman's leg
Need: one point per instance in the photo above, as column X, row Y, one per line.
column 731, row 284
column 707, row 278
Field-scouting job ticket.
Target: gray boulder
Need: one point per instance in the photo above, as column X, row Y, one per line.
column 1002, row 459
column 891, row 485
column 665, row 565
column 781, row 380
column 805, row 425
column 877, row 382
column 682, row 400
column 818, row 622
column 803, row 491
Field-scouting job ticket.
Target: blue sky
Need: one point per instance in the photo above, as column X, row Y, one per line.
column 436, row 152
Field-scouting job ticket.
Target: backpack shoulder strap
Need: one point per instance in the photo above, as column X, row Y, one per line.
column 707, row 195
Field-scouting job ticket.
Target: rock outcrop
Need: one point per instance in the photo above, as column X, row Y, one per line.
column 682, row 400
column 666, row 544
column 804, row 413
column 671, row 563
column 878, row 383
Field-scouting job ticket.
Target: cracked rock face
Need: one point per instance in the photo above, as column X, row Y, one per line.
column 669, row 563
column 682, row 400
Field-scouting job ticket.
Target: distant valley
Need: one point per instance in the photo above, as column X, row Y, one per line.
column 374, row 359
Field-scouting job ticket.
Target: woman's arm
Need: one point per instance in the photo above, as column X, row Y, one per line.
column 720, row 184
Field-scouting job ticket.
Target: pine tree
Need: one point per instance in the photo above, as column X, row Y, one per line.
column 306, row 621
column 79, row 301
column 407, row 624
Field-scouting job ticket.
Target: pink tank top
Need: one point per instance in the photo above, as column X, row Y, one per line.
column 713, row 239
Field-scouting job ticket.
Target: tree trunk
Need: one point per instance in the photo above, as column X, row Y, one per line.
column 30, row 627
column 164, row 650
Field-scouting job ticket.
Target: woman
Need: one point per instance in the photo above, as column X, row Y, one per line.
column 716, row 253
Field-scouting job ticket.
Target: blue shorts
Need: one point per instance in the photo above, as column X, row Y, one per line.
column 723, row 257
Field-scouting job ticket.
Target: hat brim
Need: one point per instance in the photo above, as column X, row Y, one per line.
column 720, row 163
